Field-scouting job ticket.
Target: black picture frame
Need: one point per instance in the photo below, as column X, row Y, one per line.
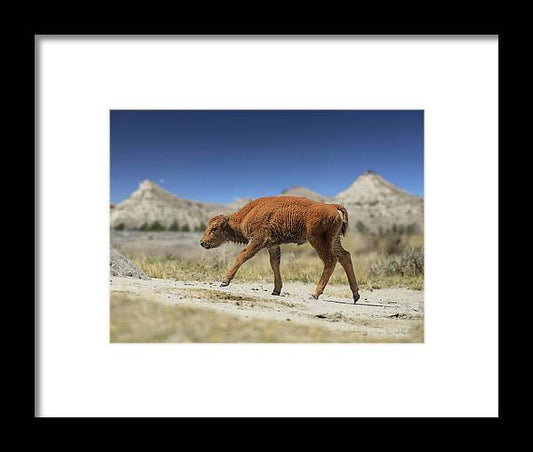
column 28, row 65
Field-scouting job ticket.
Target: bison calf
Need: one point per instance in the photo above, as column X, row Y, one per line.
column 272, row 221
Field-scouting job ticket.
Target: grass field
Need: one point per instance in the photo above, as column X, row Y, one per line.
column 379, row 261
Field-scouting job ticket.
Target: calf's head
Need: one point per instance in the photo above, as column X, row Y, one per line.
column 214, row 232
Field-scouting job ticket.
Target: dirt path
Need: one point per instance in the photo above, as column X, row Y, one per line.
column 391, row 315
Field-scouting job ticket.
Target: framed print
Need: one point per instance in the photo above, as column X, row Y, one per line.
column 230, row 224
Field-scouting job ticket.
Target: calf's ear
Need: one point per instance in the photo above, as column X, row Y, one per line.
column 224, row 221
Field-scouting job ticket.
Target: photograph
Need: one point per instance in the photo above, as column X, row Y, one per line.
column 266, row 226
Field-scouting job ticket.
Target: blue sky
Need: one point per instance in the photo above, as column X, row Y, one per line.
column 223, row 155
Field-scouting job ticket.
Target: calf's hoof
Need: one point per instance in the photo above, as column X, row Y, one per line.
column 224, row 284
column 356, row 297
column 313, row 297
column 276, row 292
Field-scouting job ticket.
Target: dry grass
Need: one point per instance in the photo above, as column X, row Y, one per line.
column 140, row 320
column 374, row 258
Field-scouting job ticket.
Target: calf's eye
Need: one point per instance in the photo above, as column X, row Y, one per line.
column 213, row 229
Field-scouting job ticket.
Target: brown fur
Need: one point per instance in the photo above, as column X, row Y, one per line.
column 272, row 221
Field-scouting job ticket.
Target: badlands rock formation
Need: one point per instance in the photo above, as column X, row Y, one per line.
column 151, row 203
column 306, row 193
column 379, row 204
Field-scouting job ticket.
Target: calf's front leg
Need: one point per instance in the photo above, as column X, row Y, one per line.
column 247, row 253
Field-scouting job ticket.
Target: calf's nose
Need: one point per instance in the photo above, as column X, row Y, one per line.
column 202, row 243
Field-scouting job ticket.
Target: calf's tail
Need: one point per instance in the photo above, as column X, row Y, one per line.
column 344, row 216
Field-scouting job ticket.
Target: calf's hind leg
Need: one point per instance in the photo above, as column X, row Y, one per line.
column 325, row 252
column 345, row 260
column 274, row 253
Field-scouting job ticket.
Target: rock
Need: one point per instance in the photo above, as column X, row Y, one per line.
column 119, row 265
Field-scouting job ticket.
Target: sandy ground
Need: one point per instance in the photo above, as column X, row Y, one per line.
column 381, row 315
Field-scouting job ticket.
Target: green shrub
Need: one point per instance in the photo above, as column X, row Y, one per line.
column 174, row 226
column 120, row 227
column 411, row 229
column 186, row 228
column 361, row 227
column 201, row 227
column 409, row 263
column 156, row 226
column 144, row 227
